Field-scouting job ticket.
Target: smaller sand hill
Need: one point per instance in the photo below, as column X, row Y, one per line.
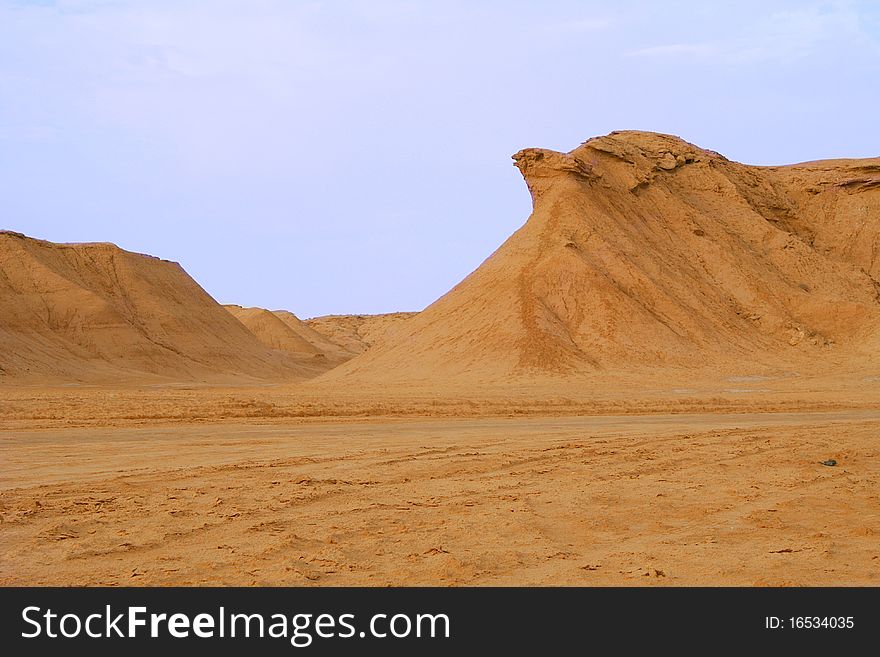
column 334, row 338
column 317, row 339
column 94, row 312
column 285, row 332
column 271, row 330
column 356, row 333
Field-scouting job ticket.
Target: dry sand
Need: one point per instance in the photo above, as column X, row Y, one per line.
column 737, row 499
column 639, row 387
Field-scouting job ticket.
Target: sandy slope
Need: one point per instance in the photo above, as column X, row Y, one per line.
column 74, row 312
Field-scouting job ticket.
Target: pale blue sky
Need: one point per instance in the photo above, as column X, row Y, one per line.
column 336, row 157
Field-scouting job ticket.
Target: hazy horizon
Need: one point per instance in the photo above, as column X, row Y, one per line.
column 336, row 158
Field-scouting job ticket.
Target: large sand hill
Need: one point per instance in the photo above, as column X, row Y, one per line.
column 646, row 251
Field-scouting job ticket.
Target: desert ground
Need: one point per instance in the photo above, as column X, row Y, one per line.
column 670, row 374
column 534, row 496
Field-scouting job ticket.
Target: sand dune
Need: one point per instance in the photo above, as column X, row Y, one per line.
column 271, row 331
column 87, row 312
column 646, row 251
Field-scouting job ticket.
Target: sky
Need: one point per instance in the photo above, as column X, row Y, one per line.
column 354, row 157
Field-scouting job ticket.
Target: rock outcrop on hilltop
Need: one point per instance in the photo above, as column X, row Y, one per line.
column 644, row 250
